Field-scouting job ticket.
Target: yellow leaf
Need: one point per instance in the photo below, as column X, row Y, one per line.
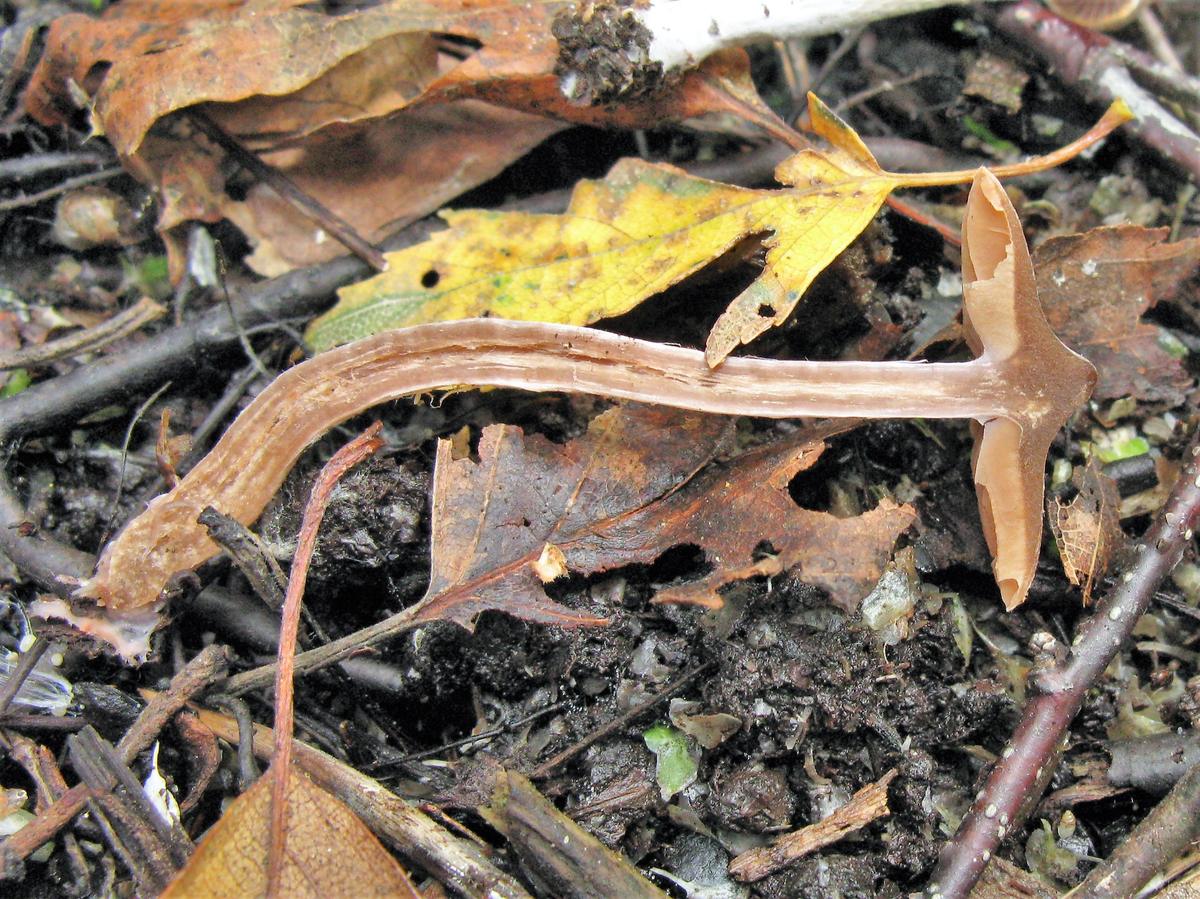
column 640, row 230
column 330, row 852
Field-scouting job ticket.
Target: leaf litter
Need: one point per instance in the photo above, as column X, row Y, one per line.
column 522, row 467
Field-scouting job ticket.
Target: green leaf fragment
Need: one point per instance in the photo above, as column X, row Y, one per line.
column 676, row 766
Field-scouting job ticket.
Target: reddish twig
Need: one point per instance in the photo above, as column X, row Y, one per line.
column 1025, row 765
column 1103, row 70
column 343, row 460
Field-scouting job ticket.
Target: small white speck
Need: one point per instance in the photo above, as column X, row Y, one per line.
column 987, row 854
column 990, row 811
column 1008, row 752
column 1089, row 268
column 1001, row 831
column 1197, row 482
column 1127, row 577
column 979, row 796
column 1187, row 535
column 1059, row 279
column 1114, row 614
column 1004, row 820
column 1141, row 547
column 1116, row 641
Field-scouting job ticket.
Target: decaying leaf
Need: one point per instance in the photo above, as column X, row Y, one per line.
column 317, row 88
column 624, row 493
column 1095, row 287
column 1087, row 529
column 635, row 233
column 381, row 177
column 330, row 852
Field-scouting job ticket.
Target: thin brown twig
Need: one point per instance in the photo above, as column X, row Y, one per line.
column 342, row 461
column 1161, row 836
column 62, row 187
column 337, row 227
column 123, row 323
column 196, row 675
column 24, row 667
column 544, row 769
column 1025, row 764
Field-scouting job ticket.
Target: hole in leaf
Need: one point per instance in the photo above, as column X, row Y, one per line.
column 430, row 279
column 766, row 310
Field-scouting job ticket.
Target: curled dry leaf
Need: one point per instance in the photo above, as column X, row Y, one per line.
column 1088, row 528
column 1096, row 286
column 330, row 851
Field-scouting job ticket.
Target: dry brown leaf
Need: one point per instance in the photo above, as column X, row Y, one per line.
column 1087, row 529
column 281, row 76
column 330, row 852
column 626, row 492
column 381, row 177
column 1095, row 287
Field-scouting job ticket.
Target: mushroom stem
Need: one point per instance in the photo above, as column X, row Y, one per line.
column 1021, row 389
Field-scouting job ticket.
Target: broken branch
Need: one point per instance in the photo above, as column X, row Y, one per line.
column 1025, row 763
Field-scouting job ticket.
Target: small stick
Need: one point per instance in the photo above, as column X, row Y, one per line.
column 123, row 323
column 24, row 667
column 339, row 229
column 1025, row 765
column 61, row 188
column 343, row 460
column 544, row 769
column 1100, row 68
column 1160, row 837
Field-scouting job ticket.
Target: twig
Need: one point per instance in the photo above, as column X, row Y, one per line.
column 622, row 720
column 198, row 674
column 866, row 805
column 1025, row 766
column 336, row 226
column 24, row 667
column 1100, row 68
column 343, row 460
column 1160, row 837
column 34, row 165
column 123, row 323
column 61, row 188
column 240, row 619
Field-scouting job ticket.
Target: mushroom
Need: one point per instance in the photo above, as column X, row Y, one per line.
column 1102, row 15
column 1019, row 390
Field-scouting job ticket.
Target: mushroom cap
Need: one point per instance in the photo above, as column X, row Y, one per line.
column 1004, row 324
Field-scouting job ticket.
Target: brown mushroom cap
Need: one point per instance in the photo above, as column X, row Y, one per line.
column 1004, row 323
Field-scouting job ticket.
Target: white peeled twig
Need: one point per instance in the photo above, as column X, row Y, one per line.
column 686, row 31
column 610, row 49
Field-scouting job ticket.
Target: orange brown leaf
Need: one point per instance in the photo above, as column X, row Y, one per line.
column 330, row 851
column 1087, row 529
column 1095, row 287
column 626, row 492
